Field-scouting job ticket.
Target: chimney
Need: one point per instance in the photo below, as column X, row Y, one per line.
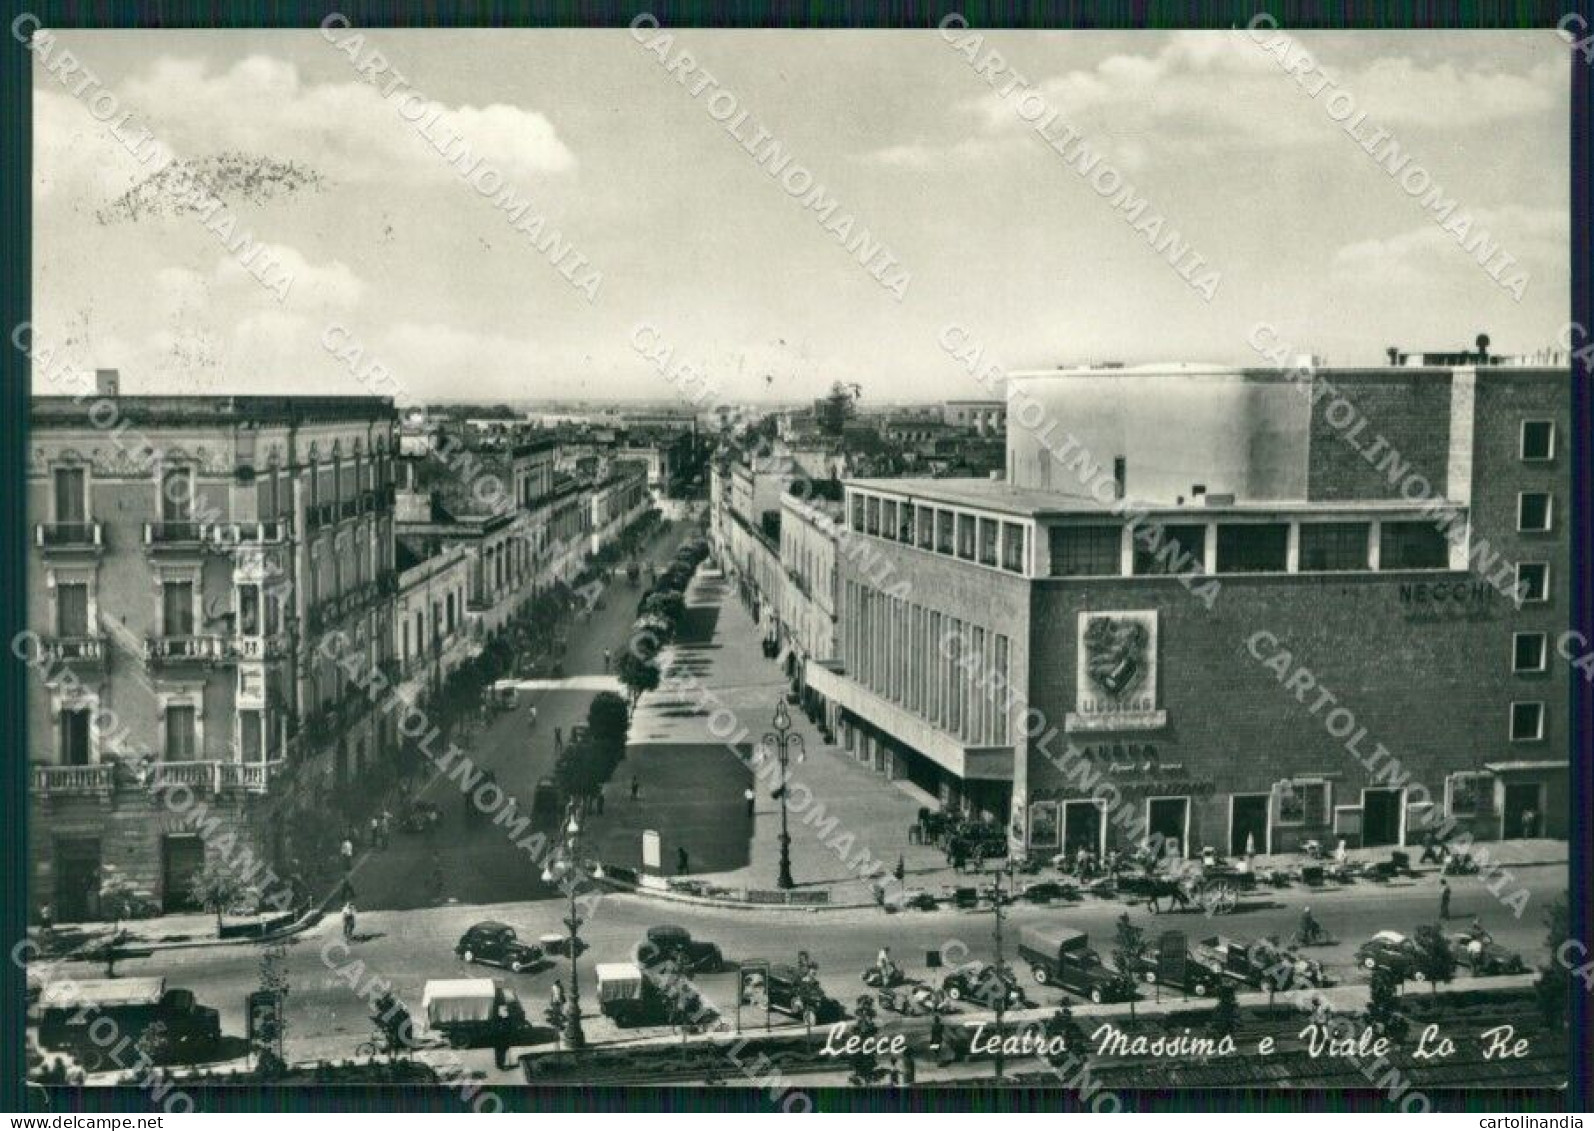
column 1394, row 355
column 107, row 383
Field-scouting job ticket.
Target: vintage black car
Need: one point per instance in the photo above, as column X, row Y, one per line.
column 1391, row 951
column 494, row 944
column 1261, row 965
column 798, row 994
column 676, row 944
column 1483, row 956
column 984, row 984
column 1061, row 956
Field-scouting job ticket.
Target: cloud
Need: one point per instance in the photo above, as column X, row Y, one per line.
column 343, row 131
column 1206, row 93
column 1533, row 236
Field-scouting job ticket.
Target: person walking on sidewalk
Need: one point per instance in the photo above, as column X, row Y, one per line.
column 636, row 787
column 346, row 850
column 558, row 740
column 1444, row 899
column 348, row 921
column 749, row 796
column 681, row 861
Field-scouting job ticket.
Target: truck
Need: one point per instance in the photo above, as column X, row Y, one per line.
column 1061, row 956
column 67, row 1010
column 628, row 997
column 467, row 1012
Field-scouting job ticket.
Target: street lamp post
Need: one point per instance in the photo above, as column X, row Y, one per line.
column 570, row 869
column 782, row 738
column 998, row 901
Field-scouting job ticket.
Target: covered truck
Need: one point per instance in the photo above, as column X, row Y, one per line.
column 68, row 1010
column 471, row 1011
column 628, row 997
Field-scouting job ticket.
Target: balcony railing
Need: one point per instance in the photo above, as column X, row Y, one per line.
column 256, row 647
column 74, row 779
column 225, row 535
column 73, row 649
column 69, row 536
column 182, row 533
column 213, row 776
column 188, row 648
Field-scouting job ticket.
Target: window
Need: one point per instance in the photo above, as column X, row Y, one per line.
column 180, row 745
column 250, row 746
column 1412, row 545
column 1333, row 546
column 888, row 519
column 1533, row 582
column 75, row 746
column 1252, row 547
column 988, row 534
column 249, row 610
column 966, row 537
column 1000, row 683
column 905, row 523
column 1534, row 512
column 943, row 531
column 1527, row 722
column 72, row 609
column 1086, row 551
column 1468, row 794
column 1303, row 803
column 177, row 495
column 871, row 516
column 1538, row 441
column 1529, row 652
column 1169, row 549
column 926, row 531
column 1012, row 547
column 857, row 513
column 69, row 495
column 177, row 608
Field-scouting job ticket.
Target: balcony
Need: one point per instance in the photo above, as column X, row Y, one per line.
column 74, row 780
column 211, row 776
column 177, row 536
column 208, row 649
column 72, row 649
column 232, row 535
column 69, row 537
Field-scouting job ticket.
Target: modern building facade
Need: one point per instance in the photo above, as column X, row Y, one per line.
column 1239, row 608
column 191, row 558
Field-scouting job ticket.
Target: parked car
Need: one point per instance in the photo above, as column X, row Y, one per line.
column 1048, row 891
column 1261, row 965
column 1061, row 956
column 676, row 944
column 985, row 984
column 1200, row 977
column 494, row 944
column 1391, row 951
column 1483, row 956
column 799, row 994
column 70, row 1012
column 467, row 1012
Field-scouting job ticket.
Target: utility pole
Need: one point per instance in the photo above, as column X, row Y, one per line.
column 997, row 903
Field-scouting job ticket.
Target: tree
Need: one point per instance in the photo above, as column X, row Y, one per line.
column 608, row 719
column 836, row 408
column 637, row 675
column 1224, row 1019
column 1436, row 962
column 1553, row 990
column 1383, row 1014
column 1128, row 945
column 665, row 603
column 865, row 1065
column 271, row 1030
column 216, row 887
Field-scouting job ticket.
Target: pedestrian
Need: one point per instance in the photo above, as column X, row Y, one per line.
column 501, row 1038
column 680, row 861
column 1444, row 899
column 605, row 659
column 558, row 740
column 1530, row 824
column 1430, row 849
column 384, row 826
column 1340, row 852
column 375, row 829
column 749, row 796
column 636, row 787
column 348, row 921
column 346, row 849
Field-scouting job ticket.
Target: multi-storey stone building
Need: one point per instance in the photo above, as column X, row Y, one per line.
column 1231, row 607
column 191, row 556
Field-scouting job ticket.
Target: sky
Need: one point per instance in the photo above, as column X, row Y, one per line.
column 690, row 236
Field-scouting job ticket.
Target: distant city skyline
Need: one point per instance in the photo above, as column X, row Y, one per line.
column 691, row 235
